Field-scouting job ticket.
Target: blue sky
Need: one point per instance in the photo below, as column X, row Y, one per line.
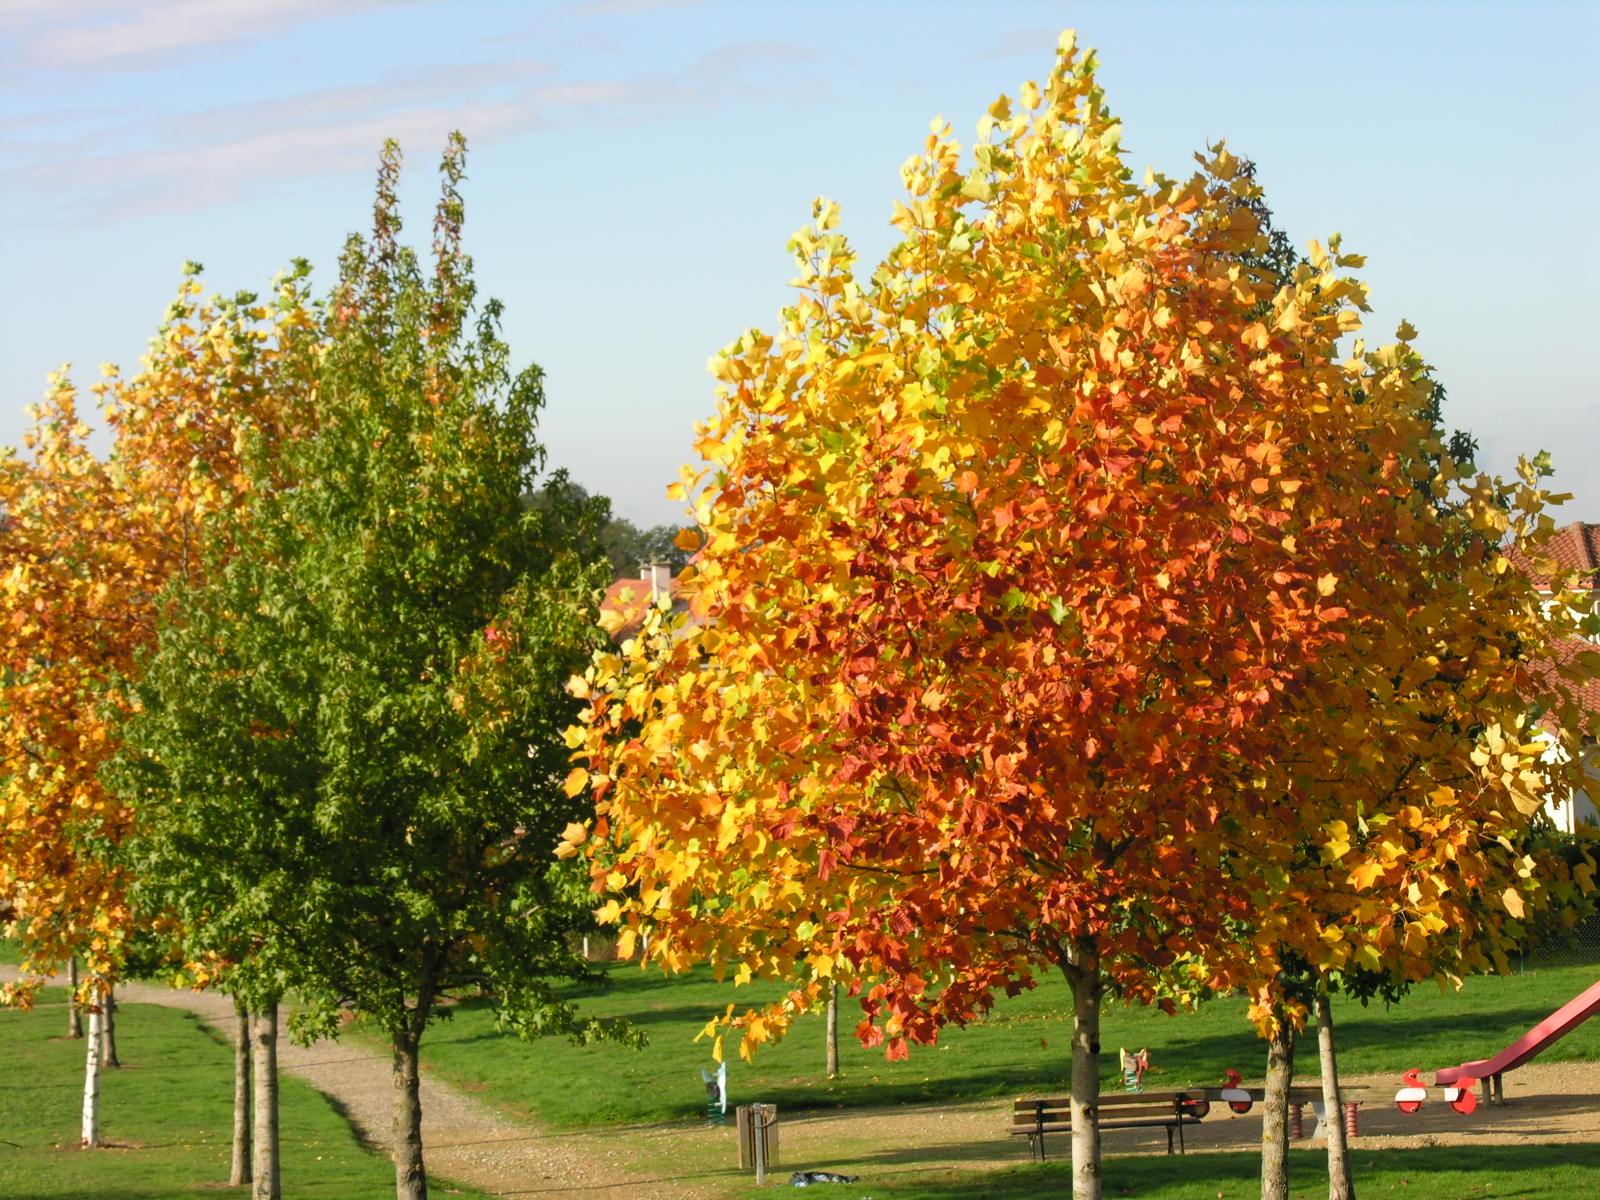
column 636, row 168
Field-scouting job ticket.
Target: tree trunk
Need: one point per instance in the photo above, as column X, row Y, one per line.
column 74, row 1012
column 1275, row 1112
column 410, row 1175
column 91, row 1081
column 239, row 1172
column 833, row 1029
column 108, row 1030
column 1340, row 1185
column 264, row 1070
column 1082, row 970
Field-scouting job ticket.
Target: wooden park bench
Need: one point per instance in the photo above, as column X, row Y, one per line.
column 1035, row 1117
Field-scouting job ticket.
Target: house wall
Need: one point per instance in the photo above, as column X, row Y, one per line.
column 1580, row 807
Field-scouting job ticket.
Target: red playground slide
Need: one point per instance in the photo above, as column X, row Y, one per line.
column 1557, row 1025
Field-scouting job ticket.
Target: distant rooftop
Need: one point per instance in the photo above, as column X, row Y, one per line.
column 1575, row 547
column 631, row 598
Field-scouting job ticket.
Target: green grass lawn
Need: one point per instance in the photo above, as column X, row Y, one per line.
column 1022, row 1046
column 1439, row 1173
column 166, row 1116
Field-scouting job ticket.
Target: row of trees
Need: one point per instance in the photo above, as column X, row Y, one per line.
column 1076, row 596
column 284, row 674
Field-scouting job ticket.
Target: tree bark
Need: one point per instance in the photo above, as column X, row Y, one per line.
column 74, row 1011
column 108, row 1030
column 91, row 1081
column 833, row 1029
column 1082, row 970
column 1340, row 1184
column 239, row 1171
column 265, row 1184
column 1275, row 1112
column 410, row 1174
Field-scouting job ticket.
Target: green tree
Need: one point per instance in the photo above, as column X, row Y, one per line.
column 623, row 543
column 349, row 746
column 628, row 546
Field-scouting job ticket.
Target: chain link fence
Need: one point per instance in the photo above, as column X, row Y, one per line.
column 1580, row 950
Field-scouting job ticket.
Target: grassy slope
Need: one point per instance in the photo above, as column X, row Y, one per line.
column 166, row 1116
column 1023, row 1046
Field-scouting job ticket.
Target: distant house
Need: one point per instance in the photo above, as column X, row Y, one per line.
column 1577, row 547
column 631, row 598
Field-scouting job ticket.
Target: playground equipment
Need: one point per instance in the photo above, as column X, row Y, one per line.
column 1489, row 1070
column 716, row 1093
column 1133, row 1068
column 1238, row 1099
column 1301, row 1097
column 1411, row 1098
column 1414, row 1095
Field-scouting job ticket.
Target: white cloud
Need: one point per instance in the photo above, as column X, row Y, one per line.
column 48, row 35
column 601, row 7
column 223, row 170
column 72, row 160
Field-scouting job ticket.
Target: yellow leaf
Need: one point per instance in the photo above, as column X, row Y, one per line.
column 577, row 780
column 1512, row 899
column 1364, row 876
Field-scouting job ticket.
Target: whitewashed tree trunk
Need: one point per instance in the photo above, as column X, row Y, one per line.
column 1340, row 1184
column 1083, row 972
column 91, row 1081
column 264, row 1066
column 239, row 1172
column 833, row 1030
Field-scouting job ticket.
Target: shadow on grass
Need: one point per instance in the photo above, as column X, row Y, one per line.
column 1535, row 1172
column 112, row 1191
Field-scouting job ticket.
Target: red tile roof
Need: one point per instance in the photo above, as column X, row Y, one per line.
column 1575, row 547
column 631, row 599
column 1588, row 692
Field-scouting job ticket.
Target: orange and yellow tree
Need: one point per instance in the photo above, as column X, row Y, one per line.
column 1411, row 844
column 1018, row 552
column 86, row 546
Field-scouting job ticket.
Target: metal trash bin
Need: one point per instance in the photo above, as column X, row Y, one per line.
column 758, row 1137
